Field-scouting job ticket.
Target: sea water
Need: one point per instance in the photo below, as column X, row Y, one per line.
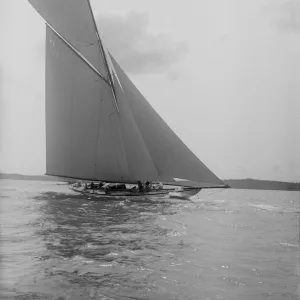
column 225, row 244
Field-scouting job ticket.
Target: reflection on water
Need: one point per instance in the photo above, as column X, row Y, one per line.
column 224, row 245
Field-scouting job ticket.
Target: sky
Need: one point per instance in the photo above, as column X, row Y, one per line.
column 224, row 75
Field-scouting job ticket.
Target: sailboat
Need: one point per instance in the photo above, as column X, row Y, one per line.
column 99, row 127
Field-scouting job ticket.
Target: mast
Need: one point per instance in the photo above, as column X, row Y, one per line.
column 104, row 56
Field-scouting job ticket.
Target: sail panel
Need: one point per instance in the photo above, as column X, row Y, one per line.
column 73, row 19
column 169, row 154
column 85, row 136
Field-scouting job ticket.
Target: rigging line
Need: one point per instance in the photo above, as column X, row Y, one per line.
column 104, row 56
column 77, row 52
column 108, row 72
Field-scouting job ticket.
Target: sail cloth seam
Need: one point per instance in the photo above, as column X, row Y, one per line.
column 104, row 57
column 77, row 52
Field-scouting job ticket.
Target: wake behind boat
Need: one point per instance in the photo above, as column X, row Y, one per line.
column 99, row 126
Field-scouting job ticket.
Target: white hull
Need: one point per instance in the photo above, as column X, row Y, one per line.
column 121, row 194
column 184, row 194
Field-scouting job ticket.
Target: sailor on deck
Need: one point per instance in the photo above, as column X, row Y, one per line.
column 140, row 186
column 159, row 186
column 147, row 186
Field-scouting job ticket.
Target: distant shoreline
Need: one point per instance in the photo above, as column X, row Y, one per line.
column 257, row 184
column 247, row 183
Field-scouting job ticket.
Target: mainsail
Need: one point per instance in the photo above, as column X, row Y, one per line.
column 87, row 136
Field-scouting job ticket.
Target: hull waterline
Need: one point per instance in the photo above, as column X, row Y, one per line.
column 111, row 195
column 117, row 195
